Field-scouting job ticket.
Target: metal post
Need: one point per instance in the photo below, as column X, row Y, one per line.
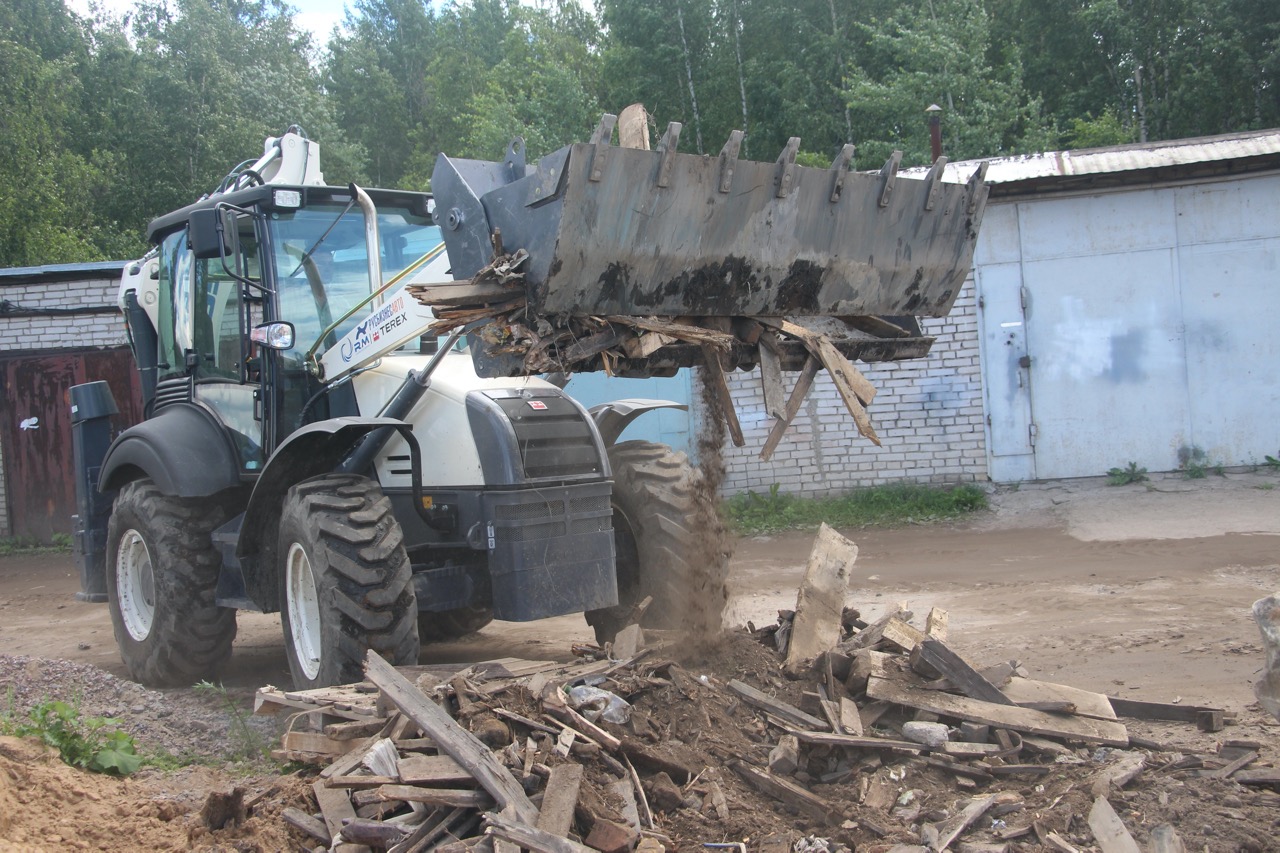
column 935, row 130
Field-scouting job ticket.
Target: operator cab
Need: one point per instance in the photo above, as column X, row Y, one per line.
column 234, row 262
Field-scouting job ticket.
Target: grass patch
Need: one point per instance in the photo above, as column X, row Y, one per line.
column 1125, row 476
column 885, row 506
column 21, row 545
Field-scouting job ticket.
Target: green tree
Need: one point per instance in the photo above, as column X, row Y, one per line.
column 939, row 52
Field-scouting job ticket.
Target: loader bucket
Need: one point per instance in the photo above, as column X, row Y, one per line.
column 632, row 232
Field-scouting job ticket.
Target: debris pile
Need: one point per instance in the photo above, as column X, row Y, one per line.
column 886, row 739
column 516, row 342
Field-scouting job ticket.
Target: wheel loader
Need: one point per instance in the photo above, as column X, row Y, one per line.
column 311, row 446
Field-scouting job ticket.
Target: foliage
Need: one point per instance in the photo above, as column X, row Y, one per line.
column 753, row 513
column 249, row 743
column 10, row 546
column 86, row 742
column 1125, row 476
column 1272, row 462
column 114, row 119
column 1193, row 462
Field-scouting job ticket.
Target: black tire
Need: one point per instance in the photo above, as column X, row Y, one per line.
column 657, row 540
column 162, row 574
column 452, row 624
column 351, row 587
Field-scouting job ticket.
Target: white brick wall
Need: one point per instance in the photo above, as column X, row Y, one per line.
column 71, row 330
column 927, row 412
column 58, row 332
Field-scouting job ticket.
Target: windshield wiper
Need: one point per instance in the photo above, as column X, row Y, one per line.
column 316, row 245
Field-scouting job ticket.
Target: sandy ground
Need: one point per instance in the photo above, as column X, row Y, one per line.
column 1142, row 590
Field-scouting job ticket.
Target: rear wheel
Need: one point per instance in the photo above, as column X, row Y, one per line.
column 452, row 624
column 345, row 581
column 658, row 547
column 162, row 575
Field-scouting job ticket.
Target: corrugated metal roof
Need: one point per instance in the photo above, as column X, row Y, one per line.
column 61, row 272
column 1119, row 158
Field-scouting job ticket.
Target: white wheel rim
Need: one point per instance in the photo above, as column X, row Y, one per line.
column 135, row 585
column 304, row 610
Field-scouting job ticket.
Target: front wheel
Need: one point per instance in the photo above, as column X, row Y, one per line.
column 345, row 581
column 659, row 549
column 162, row 576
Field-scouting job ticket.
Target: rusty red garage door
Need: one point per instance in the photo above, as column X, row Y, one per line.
column 36, row 433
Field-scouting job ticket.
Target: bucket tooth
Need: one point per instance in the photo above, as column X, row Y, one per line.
column 600, row 139
column 787, row 167
column 728, row 157
column 888, row 175
column 934, row 182
column 840, row 168
column 670, row 142
column 975, row 185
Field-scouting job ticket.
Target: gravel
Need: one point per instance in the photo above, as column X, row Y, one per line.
column 187, row 723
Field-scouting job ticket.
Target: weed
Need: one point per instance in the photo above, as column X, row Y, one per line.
column 249, row 743
column 87, row 742
column 1272, row 463
column 24, row 545
column 1125, row 476
column 1266, row 487
column 1193, row 462
column 753, row 513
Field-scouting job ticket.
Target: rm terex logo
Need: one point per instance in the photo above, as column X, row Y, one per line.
column 385, row 320
column 538, row 405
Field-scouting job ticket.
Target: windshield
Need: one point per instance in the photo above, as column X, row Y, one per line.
column 318, row 288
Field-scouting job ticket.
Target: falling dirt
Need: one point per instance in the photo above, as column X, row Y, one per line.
column 708, row 593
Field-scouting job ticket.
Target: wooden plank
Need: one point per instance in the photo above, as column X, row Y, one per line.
column 1239, row 764
column 902, row 635
column 958, row 671
column 720, row 388
column 454, row 740
column 1108, row 830
column 947, row 831
column 820, row 601
column 804, row 382
column 850, row 719
column 453, row 797
column 793, row 715
column 1003, row 716
column 1269, row 776
column 628, row 641
column 439, row 771
column 935, row 624
column 780, row 789
column 335, row 806
column 873, row 633
column 771, row 380
column 633, row 127
column 299, row 819
column 853, row 387
column 530, row 838
column 355, row 729
column 855, row 742
column 1088, row 704
column 1138, row 709
column 560, row 799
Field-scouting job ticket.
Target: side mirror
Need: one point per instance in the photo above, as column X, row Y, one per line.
column 208, row 234
column 273, row 335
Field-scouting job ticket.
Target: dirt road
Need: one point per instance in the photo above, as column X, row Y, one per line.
column 1142, row 590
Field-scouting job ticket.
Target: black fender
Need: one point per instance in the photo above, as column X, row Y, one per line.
column 184, row 450
column 316, row 449
column 612, row 418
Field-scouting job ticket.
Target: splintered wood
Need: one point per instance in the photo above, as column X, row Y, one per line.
column 494, row 304
column 879, row 734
